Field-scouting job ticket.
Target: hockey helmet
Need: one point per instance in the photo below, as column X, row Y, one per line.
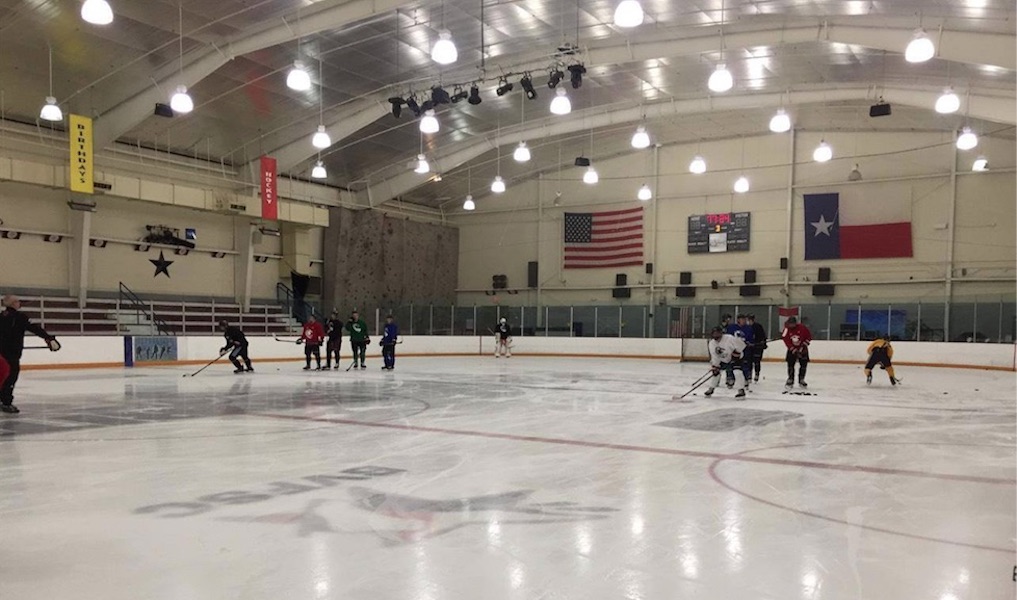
column 716, row 333
column 791, row 321
column 502, row 320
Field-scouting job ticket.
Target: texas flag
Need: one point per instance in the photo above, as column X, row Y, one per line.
column 865, row 227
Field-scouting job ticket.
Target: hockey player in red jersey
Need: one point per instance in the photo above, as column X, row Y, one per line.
column 312, row 336
column 796, row 337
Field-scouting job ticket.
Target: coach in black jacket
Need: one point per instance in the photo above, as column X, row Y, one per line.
column 13, row 326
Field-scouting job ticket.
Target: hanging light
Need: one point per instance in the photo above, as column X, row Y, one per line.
column 721, row 79
column 967, row 139
column 319, row 172
column 644, row 193
column 920, row 48
column 444, row 51
column 780, row 122
column 298, row 79
column 640, row 139
column 981, row 164
column 181, row 101
column 429, row 124
column 561, row 105
column 590, row 176
column 522, row 153
column 948, row 102
column 50, row 111
column 698, row 165
column 97, row 12
column 855, row 174
column 321, row 139
column 823, row 152
column 422, row 166
column 628, row 14
column 469, row 204
column 741, row 185
column 498, row 185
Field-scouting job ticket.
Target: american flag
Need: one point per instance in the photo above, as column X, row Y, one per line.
column 604, row 239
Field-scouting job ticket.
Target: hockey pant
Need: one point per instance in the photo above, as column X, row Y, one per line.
column 312, row 350
column 240, row 352
column 501, row 346
column 13, row 370
column 332, row 348
column 802, row 359
column 883, row 361
column 388, row 354
column 755, row 360
column 359, row 351
column 733, row 370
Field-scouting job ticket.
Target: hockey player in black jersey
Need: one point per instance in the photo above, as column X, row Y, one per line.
column 503, row 339
column 236, row 345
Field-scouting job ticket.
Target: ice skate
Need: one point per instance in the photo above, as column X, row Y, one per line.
column 789, row 383
column 708, row 392
column 9, row 408
column 740, row 395
column 868, row 379
column 893, row 381
column 238, row 370
column 307, row 368
column 802, row 384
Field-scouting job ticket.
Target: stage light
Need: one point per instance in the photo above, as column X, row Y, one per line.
column 458, row 95
column 397, row 106
column 527, row 84
column 576, row 73
column 411, row 103
column 474, row 98
column 439, row 96
column 504, row 87
column 554, row 78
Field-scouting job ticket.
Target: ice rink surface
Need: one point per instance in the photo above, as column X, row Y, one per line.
column 523, row 478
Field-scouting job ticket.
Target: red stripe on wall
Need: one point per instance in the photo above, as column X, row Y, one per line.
column 635, row 263
column 885, row 240
column 601, row 222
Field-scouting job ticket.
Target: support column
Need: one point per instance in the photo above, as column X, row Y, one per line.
column 790, row 214
column 953, row 238
column 243, row 264
column 79, row 255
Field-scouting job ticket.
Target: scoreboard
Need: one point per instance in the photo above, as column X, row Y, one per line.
column 722, row 232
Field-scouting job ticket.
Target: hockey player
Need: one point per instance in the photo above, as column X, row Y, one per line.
column 880, row 352
column 748, row 335
column 503, row 339
column 236, row 345
column 388, row 343
column 334, row 331
column 725, row 355
column 13, row 326
column 358, row 338
column 758, row 344
column 311, row 337
column 796, row 337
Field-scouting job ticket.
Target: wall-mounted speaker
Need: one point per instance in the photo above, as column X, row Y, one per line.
column 822, row 290
column 621, row 280
column 621, row 292
column 714, row 284
column 824, row 274
column 499, row 282
column 685, row 292
column 750, row 276
column 783, row 263
column 685, row 278
column 748, row 290
column 649, row 268
column 531, row 274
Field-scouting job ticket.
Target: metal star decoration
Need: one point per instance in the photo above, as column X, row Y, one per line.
column 161, row 265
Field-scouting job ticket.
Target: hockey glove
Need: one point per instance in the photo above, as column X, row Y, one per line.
column 53, row 344
column 715, row 370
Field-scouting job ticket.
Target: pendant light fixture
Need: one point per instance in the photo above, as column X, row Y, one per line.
column 321, row 139
column 645, row 193
column 97, row 12
column 981, row 164
column 422, row 166
column 319, row 172
column 298, row 79
column 181, row 101
column 741, row 185
column 444, row 50
column 948, row 102
column 721, row 79
column 967, row 139
column 698, row 165
column 780, row 122
column 498, row 185
column 823, row 152
column 591, row 177
column 640, row 139
column 920, row 48
column 469, row 204
column 522, row 153
column 629, row 13
column 561, row 105
column 51, row 110
column 429, row 124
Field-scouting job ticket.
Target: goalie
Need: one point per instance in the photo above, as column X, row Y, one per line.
column 13, row 326
column 503, row 339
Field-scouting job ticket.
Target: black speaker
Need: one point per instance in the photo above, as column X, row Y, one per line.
column 714, row 284
column 531, row 274
column 783, row 263
column 621, row 292
column 880, row 109
column 748, row 290
column 685, row 292
column 750, row 276
column 499, row 282
column 822, row 290
column 685, row 277
column 621, row 280
column 824, row 274
column 649, row 268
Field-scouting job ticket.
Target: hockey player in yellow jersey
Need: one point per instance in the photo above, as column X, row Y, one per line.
column 880, row 353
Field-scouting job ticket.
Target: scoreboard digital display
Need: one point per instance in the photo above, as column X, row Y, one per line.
column 721, row 232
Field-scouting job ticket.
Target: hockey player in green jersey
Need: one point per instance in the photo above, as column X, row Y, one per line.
column 358, row 338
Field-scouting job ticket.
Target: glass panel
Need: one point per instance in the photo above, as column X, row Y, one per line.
column 962, row 322
column 903, row 325
column 463, row 323
column 558, row 321
column 660, row 321
column 402, row 317
column 582, row 321
column 932, row 319
column 815, row 317
column 633, row 325
column 987, row 322
column 442, row 320
column 1009, row 333
column 607, row 321
column 531, row 319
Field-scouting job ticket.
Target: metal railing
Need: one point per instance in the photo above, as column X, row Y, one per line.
column 131, row 302
column 298, row 309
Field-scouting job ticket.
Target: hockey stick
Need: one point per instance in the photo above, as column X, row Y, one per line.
column 351, row 364
column 215, row 360
column 695, row 386
column 279, row 339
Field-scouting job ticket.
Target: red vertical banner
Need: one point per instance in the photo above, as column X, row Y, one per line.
column 269, row 189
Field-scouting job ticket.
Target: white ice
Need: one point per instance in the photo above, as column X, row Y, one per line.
column 521, row 478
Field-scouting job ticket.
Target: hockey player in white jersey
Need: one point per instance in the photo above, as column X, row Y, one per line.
column 726, row 355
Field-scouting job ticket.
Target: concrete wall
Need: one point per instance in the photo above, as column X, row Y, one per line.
column 911, row 168
column 376, row 260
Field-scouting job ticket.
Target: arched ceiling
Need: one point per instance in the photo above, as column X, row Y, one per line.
column 236, row 53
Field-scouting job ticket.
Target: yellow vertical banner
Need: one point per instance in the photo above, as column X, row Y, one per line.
column 82, row 166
